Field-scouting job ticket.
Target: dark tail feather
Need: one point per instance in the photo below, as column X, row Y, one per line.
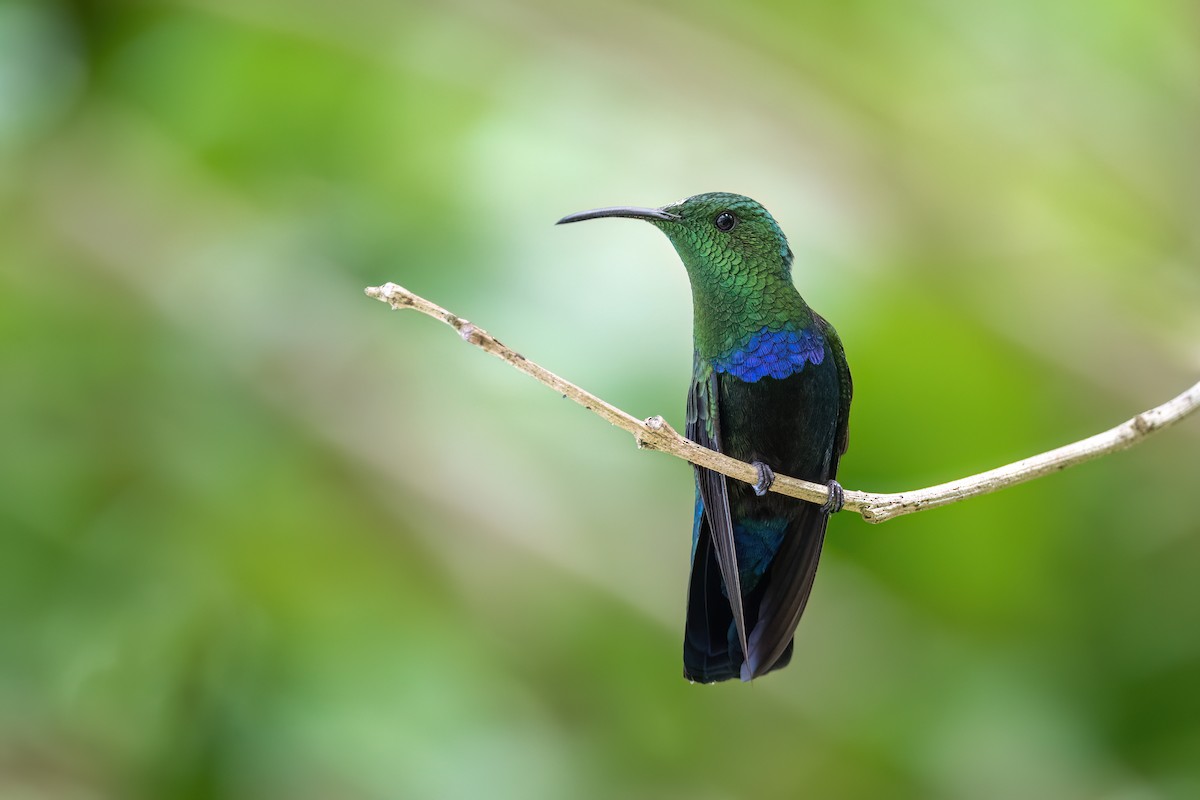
column 711, row 652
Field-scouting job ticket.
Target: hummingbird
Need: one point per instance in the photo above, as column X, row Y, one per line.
column 771, row 387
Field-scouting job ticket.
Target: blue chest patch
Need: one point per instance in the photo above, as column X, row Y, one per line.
column 773, row 354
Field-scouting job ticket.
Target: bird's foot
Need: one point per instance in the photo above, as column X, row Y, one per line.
column 766, row 476
column 837, row 498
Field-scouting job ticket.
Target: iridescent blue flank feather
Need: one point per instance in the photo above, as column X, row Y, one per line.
column 757, row 542
column 775, row 354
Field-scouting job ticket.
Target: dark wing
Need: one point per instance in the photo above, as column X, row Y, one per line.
column 846, row 390
column 704, row 428
column 708, row 654
column 793, row 569
column 795, row 565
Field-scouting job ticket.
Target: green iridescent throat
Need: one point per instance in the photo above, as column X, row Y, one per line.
column 741, row 279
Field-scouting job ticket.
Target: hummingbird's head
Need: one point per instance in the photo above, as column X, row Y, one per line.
column 721, row 237
column 738, row 262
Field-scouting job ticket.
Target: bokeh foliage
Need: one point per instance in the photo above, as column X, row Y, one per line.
column 260, row 538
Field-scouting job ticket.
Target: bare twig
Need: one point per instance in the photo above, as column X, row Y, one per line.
column 655, row 434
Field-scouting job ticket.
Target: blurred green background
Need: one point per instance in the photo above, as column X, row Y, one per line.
column 260, row 537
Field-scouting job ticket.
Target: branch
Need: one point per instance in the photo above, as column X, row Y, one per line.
column 655, row 434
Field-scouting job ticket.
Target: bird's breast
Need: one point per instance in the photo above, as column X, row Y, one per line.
column 787, row 422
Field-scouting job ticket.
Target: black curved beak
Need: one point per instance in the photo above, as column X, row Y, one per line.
column 631, row 212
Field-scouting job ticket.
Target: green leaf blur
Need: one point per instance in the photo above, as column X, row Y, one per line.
column 261, row 538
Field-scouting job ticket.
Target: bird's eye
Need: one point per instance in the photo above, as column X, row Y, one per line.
column 725, row 221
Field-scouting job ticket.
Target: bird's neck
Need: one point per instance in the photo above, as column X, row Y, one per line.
column 724, row 318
